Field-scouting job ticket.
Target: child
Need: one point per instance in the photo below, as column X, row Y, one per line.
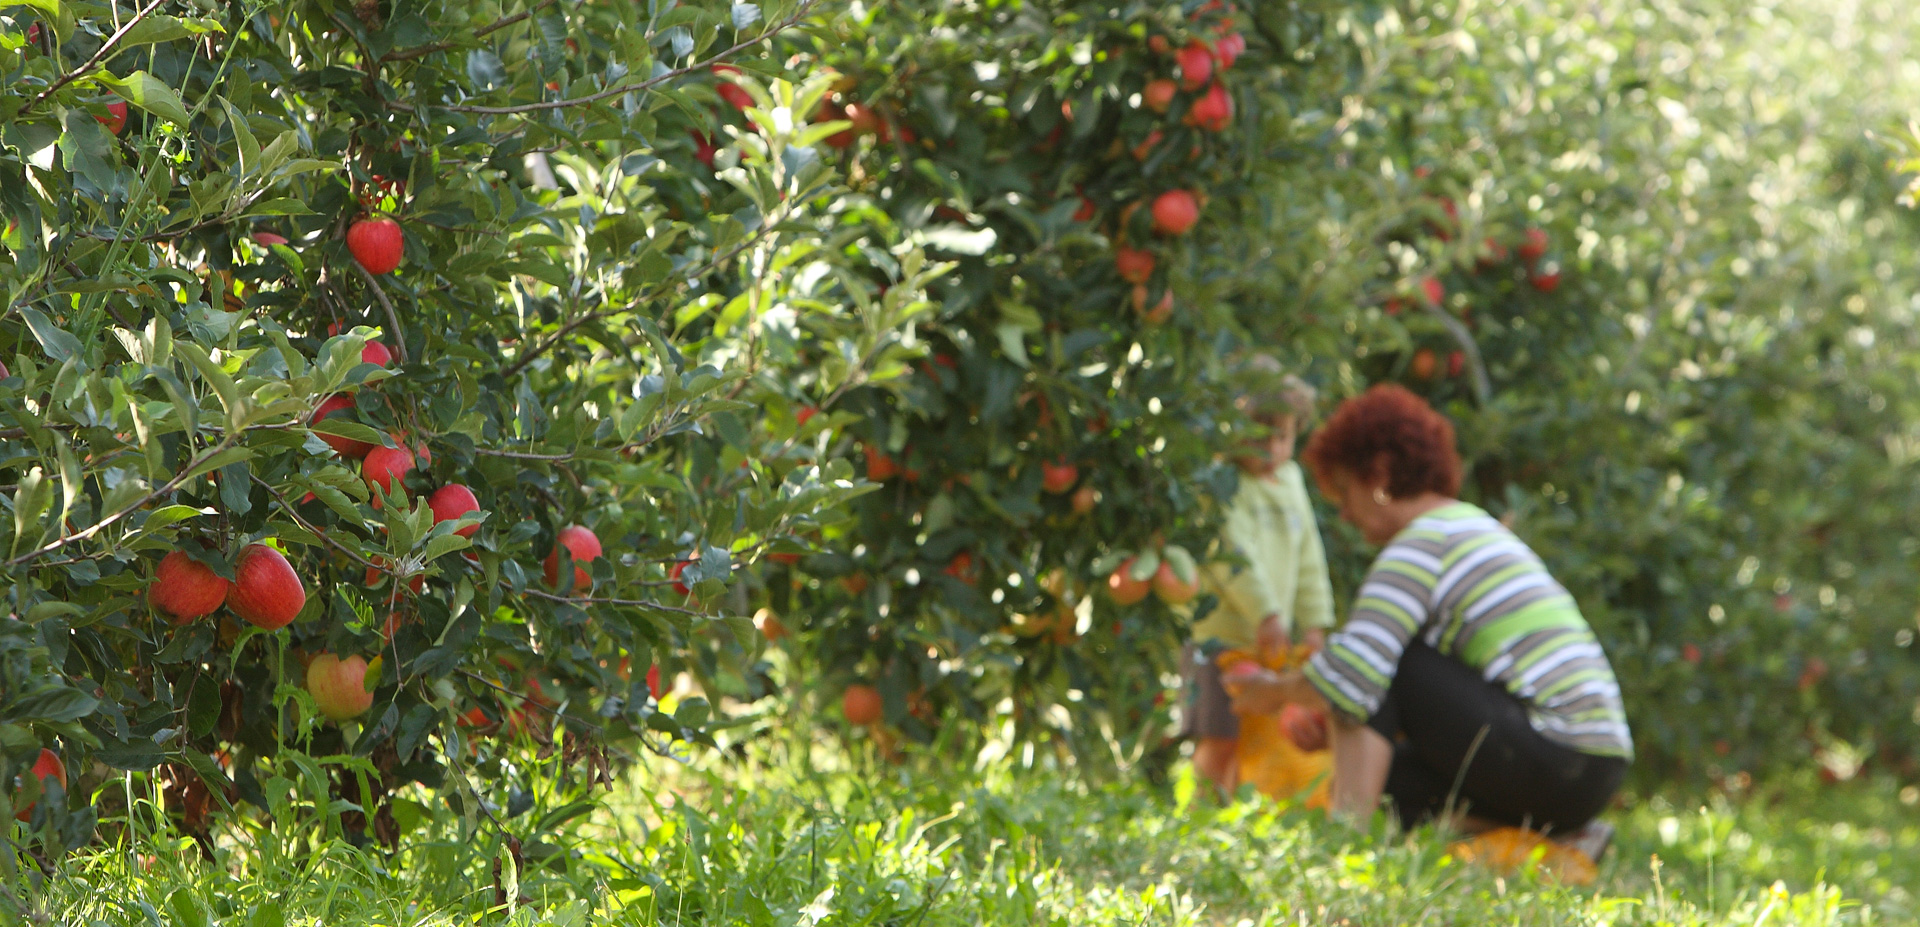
column 1282, row 589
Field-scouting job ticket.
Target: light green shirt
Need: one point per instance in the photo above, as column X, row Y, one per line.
column 1271, row 524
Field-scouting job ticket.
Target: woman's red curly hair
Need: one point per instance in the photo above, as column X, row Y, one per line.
column 1387, row 424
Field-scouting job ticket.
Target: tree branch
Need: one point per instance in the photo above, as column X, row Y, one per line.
column 480, row 33
column 101, row 55
column 656, row 80
column 104, row 523
column 393, row 318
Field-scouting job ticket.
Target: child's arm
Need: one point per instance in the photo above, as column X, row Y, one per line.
column 1313, row 594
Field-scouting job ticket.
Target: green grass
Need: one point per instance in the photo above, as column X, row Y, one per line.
column 854, row 842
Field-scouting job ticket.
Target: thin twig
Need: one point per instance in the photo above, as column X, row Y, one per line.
column 314, row 530
column 98, row 56
column 104, row 523
column 480, row 33
column 399, row 336
column 710, row 266
column 656, row 80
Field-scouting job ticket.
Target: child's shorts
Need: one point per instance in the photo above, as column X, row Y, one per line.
column 1209, row 710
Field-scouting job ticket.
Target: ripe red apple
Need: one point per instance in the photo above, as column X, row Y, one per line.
column 384, row 468
column 1134, row 264
column 583, row 545
column 961, row 567
column 1142, row 150
column 1157, row 44
column 1433, row 290
column 1456, row 362
column 1690, row 652
column 1122, row 588
column 1085, row 212
column 769, row 625
column 1492, row 254
column 674, row 574
column 451, row 501
column 1535, row 247
column 1161, row 311
column 1159, row 94
column 1212, row 112
column 1547, row 278
column 728, row 90
column 116, row 118
column 880, row 467
column 861, row 704
column 1084, row 499
column 341, row 405
column 1171, row 589
column 1229, row 49
column 1196, row 65
column 1174, row 212
column 377, row 244
column 339, row 686
column 854, row 583
column 266, row 591
column 865, row 120
column 46, row 766
column 703, row 147
column 806, row 412
column 1304, row 726
column 379, row 569
column 376, row 354
column 185, row 588
column 1058, row 477
column 1424, row 364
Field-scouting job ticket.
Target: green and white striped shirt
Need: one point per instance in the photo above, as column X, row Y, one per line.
column 1476, row 593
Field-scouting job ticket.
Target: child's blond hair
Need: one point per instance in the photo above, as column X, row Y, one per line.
column 1265, row 389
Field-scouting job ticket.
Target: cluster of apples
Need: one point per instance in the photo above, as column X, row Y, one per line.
column 1170, row 574
column 1196, row 67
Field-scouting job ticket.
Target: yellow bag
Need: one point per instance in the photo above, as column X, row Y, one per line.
column 1268, row 759
column 1507, row 849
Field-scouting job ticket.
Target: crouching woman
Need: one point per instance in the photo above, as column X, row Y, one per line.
column 1465, row 683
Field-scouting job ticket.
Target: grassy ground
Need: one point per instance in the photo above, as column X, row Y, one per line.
column 867, row 843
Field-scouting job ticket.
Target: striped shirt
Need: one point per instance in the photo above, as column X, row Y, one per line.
column 1476, row 593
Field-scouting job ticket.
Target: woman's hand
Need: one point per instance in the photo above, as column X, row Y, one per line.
column 1265, row 692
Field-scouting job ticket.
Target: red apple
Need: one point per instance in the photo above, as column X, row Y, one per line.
column 1547, row 278
column 1084, row 499
column 880, row 467
column 1304, row 726
column 1122, row 588
column 339, row 686
column 1171, row 589
column 1229, row 49
column 1424, row 364
column 266, row 591
column 451, row 501
column 865, row 120
column 46, row 766
column 1145, row 148
column 583, row 545
column 1212, row 112
column 116, row 118
column 1456, row 362
column 1535, row 247
column 384, row 469
column 703, row 148
column 185, row 588
column 377, row 244
column 341, row 406
column 1159, row 95
column 1135, row 265
column 376, row 354
column 678, row 586
column 1196, row 65
column 861, row 704
column 1174, row 212
column 1085, row 212
column 806, row 412
column 1492, row 253
column 1161, row 311
column 1433, row 290
column 728, row 90
column 1058, row 477
column 1157, row 44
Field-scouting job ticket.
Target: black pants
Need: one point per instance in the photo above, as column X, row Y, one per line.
column 1465, row 744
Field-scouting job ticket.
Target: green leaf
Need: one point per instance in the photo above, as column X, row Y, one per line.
column 59, row 345
column 147, row 92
